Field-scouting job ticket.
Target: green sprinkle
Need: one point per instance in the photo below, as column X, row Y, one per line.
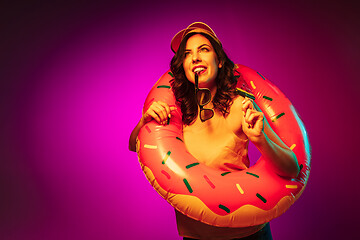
column 224, row 208
column 268, row 98
column 278, row 116
column 179, row 139
column 187, row 185
column 261, row 197
column 163, row 86
column 252, row 174
column 223, row 174
column 170, row 73
column 260, row 75
column 192, row 165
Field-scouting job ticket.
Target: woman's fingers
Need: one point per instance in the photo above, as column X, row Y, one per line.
column 248, row 114
column 153, row 115
column 159, row 111
column 256, row 117
column 247, row 104
column 167, row 108
column 253, row 120
column 252, row 117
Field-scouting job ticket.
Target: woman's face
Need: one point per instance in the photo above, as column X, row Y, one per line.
column 200, row 55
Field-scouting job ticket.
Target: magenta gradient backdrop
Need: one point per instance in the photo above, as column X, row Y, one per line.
column 73, row 80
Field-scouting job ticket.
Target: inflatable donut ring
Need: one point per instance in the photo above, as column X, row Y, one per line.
column 225, row 199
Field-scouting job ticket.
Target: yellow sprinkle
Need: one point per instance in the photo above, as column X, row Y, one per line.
column 293, row 146
column 150, row 146
column 252, row 84
column 291, row 186
column 166, row 157
column 239, row 188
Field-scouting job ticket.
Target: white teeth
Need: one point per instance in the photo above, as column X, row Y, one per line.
column 197, row 70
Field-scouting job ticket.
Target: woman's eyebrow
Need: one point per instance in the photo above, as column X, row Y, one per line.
column 203, row 45
column 188, row 50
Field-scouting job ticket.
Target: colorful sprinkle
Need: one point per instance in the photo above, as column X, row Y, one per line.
column 268, row 98
column 260, row 75
column 163, row 86
column 261, row 197
column 166, row 174
column 148, row 129
column 224, row 208
column 277, row 117
column 179, row 139
column 239, row 188
column 192, row 165
column 301, row 166
column 166, row 157
column 209, row 182
column 291, row 186
column 150, row 146
column 187, row 185
column 252, row 174
column 293, row 146
column 243, row 93
column 170, row 73
column 225, row 173
column 252, row 84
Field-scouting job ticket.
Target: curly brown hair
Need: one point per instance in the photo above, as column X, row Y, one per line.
column 184, row 90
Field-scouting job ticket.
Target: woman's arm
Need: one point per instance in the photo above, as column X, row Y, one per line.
column 159, row 111
column 134, row 134
column 255, row 126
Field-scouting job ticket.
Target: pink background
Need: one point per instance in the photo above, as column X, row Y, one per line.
column 73, row 80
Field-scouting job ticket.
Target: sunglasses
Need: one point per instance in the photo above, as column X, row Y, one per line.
column 203, row 97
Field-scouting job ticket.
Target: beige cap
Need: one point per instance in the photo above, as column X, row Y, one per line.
column 199, row 27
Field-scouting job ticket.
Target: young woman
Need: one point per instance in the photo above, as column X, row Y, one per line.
column 217, row 123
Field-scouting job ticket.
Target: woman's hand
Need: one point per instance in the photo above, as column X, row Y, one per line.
column 252, row 121
column 266, row 140
column 159, row 111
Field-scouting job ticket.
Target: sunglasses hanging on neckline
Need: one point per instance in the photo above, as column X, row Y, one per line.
column 203, row 97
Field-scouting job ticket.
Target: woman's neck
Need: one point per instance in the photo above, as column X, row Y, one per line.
column 213, row 92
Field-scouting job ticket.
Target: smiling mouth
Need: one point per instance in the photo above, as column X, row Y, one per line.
column 199, row 70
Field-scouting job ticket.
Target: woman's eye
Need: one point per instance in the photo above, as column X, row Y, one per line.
column 187, row 54
column 204, row 49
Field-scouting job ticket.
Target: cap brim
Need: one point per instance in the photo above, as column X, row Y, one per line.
column 194, row 27
column 175, row 42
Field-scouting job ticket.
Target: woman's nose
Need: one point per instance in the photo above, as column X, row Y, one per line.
column 196, row 57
